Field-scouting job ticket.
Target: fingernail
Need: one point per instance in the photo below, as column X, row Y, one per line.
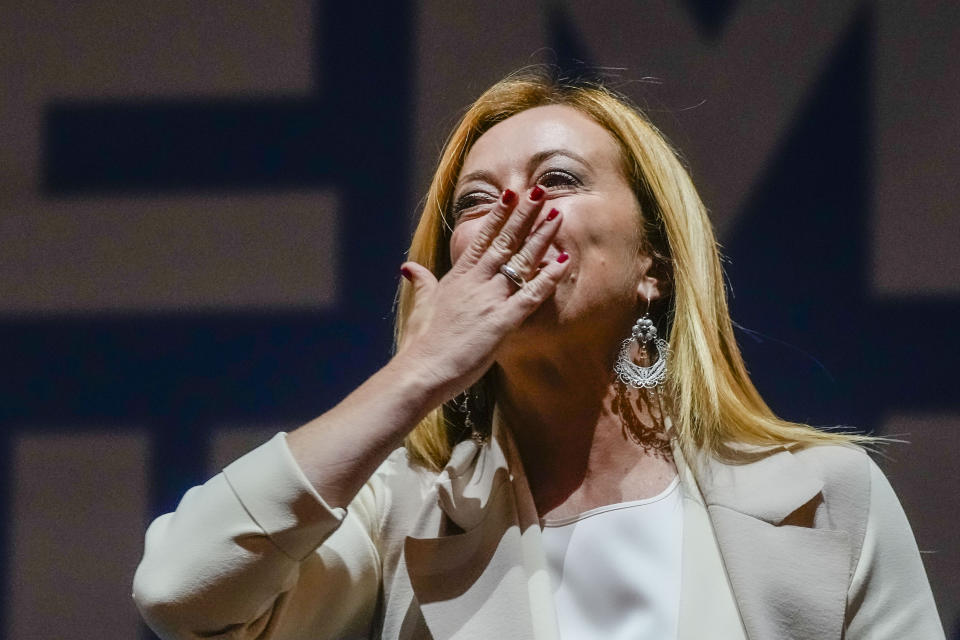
column 562, row 257
column 406, row 273
column 508, row 197
column 553, row 214
column 536, row 193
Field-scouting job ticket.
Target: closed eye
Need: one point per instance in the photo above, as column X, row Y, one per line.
column 471, row 203
column 558, row 178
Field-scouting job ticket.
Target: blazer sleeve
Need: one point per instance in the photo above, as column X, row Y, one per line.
column 890, row 596
column 255, row 552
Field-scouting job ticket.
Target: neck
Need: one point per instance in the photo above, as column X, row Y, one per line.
column 585, row 440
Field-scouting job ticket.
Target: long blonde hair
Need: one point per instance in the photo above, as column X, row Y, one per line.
column 714, row 403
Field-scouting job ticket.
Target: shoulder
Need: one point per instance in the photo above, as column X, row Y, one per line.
column 858, row 498
column 847, row 474
column 826, row 484
column 852, row 480
column 844, row 469
column 846, row 499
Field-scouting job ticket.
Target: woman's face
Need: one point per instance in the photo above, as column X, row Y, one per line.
column 577, row 162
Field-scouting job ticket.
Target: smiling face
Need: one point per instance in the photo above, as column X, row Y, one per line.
column 578, row 163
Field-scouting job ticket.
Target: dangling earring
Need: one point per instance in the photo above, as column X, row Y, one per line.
column 463, row 406
column 632, row 374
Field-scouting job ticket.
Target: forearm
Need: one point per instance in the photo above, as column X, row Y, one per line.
column 341, row 449
column 218, row 565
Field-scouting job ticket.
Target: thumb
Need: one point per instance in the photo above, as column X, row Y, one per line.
column 423, row 282
column 419, row 276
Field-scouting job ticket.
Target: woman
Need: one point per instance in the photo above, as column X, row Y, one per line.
column 592, row 480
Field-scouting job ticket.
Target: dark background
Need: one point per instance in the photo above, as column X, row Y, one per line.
column 203, row 208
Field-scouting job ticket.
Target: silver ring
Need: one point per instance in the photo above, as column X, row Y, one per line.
column 512, row 275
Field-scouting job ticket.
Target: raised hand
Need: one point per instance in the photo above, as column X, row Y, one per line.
column 458, row 322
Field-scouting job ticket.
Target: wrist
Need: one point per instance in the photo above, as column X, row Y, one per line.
column 419, row 382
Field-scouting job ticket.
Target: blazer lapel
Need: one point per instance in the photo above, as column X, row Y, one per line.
column 490, row 580
column 789, row 578
column 708, row 608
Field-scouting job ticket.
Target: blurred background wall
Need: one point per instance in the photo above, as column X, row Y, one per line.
column 203, row 207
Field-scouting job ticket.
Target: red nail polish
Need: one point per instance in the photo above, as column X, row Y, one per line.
column 536, row 193
column 508, row 197
column 553, row 214
column 406, row 273
column 563, row 257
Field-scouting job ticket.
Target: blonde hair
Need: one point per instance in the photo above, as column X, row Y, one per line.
column 714, row 403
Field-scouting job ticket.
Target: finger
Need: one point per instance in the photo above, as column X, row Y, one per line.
column 513, row 231
column 525, row 260
column 421, row 278
column 539, row 288
column 492, row 223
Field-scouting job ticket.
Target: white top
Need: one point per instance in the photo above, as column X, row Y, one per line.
column 616, row 569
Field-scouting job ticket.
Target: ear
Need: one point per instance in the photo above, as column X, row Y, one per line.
column 654, row 282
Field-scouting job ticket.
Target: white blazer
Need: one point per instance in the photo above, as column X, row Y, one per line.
column 805, row 544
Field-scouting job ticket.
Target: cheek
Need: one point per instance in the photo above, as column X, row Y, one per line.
column 461, row 238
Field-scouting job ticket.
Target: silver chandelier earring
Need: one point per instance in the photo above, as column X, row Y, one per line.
column 632, row 374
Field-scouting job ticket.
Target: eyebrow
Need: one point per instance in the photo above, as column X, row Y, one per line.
column 543, row 156
column 482, row 175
